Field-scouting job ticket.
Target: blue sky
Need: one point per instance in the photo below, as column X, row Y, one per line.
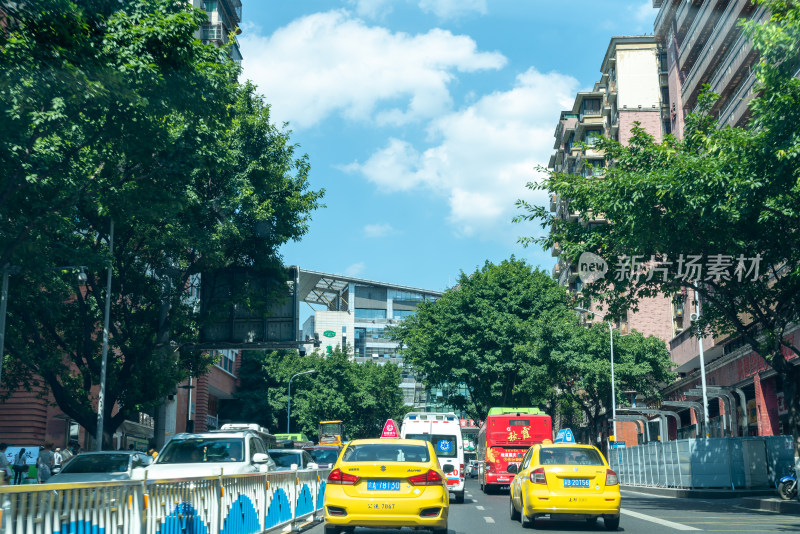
column 424, row 119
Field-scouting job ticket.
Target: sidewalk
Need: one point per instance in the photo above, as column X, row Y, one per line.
column 756, row 499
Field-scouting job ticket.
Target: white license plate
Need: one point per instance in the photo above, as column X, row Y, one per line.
column 576, row 482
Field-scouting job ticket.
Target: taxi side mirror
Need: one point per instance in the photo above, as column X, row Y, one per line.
column 448, row 468
column 512, row 468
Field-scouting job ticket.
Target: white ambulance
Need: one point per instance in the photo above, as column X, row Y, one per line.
column 444, row 431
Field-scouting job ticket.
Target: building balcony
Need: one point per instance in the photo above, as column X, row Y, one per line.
column 719, row 52
column 556, row 270
column 556, row 250
column 666, row 13
column 685, row 15
column 698, row 33
column 738, row 110
column 553, row 203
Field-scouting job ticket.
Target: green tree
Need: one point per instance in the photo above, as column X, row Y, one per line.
column 363, row 396
column 115, row 112
column 580, row 363
column 484, row 335
column 721, row 191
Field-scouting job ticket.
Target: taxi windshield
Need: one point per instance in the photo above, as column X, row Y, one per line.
column 569, row 456
column 375, row 452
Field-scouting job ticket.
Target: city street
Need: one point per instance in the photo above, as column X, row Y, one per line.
column 647, row 514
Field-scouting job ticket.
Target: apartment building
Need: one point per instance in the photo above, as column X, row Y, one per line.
column 631, row 89
column 222, row 27
column 704, row 44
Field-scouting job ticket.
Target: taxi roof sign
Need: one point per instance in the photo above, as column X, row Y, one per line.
column 564, row 436
column 390, row 429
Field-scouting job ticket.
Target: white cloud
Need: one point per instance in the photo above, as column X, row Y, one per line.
column 483, row 154
column 378, row 230
column 331, row 63
column 644, row 12
column 355, row 269
column 446, row 9
column 374, row 9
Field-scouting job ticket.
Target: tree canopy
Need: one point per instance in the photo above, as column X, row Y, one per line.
column 114, row 113
column 364, row 395
column 722, row 198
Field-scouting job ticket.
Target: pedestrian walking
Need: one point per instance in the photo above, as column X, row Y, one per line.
column 20, row 466
column 5, row 467
column 45, row 463
column 58, row 460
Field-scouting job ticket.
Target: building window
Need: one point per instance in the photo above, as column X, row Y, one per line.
column 591, row 106
column 402, row 314
column 225, row 360
column 592, row 137
column 369, row 313
column 210, row 5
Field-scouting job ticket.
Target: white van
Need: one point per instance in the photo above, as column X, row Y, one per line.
column 444, row 431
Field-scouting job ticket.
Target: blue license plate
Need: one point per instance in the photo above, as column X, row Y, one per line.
column 383, row 485
column 576, row 482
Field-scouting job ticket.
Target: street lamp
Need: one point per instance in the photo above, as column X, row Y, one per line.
column 613, row 391
column 289, row 402
column 694, row 318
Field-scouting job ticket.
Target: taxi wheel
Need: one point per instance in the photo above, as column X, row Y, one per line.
column 330, row 529
column 611, row 523
column 513, row 511
column 525, row 521
column 439, row 530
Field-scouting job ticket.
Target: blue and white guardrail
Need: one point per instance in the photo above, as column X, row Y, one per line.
column 230, row 504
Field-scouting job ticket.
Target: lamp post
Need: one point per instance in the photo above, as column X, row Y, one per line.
column 289, row 402
column 189, row 421
column 613, row 391
column 694, row 317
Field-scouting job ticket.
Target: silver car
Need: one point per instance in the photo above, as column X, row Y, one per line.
column 286, row 458
column 105, row 466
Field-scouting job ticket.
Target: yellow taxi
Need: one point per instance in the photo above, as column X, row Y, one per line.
column 564, row 481
column 390, row 483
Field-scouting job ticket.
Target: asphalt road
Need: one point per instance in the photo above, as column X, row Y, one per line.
column 645, row 514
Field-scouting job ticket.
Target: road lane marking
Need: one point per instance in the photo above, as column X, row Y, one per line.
column 650, row 518
column 480, row 508
column 488, row 519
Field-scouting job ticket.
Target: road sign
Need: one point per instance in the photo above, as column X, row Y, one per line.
column 617, row 444
column 390, row 429
column 565, row 436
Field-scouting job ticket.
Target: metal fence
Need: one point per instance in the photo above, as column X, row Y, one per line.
column 757, row 462
column 230, row 504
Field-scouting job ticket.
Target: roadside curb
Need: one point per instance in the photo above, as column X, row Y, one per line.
column 772, row 505
column 687, row 493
